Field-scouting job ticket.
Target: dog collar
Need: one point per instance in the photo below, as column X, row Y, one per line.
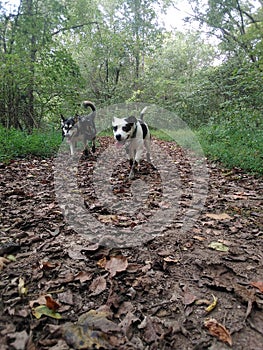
column 134, row 133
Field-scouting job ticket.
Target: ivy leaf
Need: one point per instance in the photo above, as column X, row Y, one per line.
column 41, row 310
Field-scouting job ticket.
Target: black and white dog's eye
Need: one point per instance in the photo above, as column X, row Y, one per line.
column 126, row 128
column 115, row 128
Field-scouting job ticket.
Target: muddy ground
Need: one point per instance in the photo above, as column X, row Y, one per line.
column 182, row 289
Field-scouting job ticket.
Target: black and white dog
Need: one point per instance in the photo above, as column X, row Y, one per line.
column 80, row 128
column 134, row 134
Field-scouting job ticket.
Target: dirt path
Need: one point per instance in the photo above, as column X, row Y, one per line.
column 64, row 292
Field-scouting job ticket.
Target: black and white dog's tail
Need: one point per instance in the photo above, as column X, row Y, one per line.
column 87, row 104
column 142, row 113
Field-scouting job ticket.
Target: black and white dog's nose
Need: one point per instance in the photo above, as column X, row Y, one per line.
column 118, row 137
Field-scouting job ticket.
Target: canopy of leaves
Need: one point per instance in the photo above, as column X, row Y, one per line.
column 56, row 53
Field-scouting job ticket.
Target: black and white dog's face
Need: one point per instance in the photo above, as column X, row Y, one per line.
column 123, row 129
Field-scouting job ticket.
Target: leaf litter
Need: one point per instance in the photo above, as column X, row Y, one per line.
column 154, row 296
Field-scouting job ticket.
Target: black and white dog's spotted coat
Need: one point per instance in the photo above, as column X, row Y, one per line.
column 135, row 135
column 80, row 128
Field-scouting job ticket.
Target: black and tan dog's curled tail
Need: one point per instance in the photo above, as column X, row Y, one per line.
column 87, row 104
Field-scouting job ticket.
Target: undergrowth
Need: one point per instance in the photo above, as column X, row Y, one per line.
column 231, row 146
column 18, row 144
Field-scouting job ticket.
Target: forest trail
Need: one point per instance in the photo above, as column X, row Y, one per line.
column 198, row 289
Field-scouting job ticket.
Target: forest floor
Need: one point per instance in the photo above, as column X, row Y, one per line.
column 195, row 289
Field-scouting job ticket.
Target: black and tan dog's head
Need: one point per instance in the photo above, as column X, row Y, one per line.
column 68, row 127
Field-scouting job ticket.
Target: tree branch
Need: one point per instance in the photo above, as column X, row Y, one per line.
column 74, row 27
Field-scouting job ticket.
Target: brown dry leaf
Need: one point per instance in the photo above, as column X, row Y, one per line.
column 171, row 259
column 76, row 255
column 218, row 330
column 20, row 341
column 222, row 216
column 92, row 247
column 46, row 265
column 189, row 298
column 66, row 298
column 127, row 321
column 116, row 264
column 40, row 300
column 83, row 276
column 3, row 262
column 199, row 238
column 108, row 219
column 258, row 285
column 102, row 263
column 51, row 303
column 151, row 330
column 98, row 286
column 200, row 302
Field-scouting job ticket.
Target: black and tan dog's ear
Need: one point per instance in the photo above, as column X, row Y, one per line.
column 76, row 118
column 131, row 120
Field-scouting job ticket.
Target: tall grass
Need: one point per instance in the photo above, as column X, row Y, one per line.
column 19, row 144
column 233, row 146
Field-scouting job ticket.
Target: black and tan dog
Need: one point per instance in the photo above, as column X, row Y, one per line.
column 80, row 128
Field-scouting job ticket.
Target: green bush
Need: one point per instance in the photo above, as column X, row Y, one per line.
column 233, row 146
column 16, row 144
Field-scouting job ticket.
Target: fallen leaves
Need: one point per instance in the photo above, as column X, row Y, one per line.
column 218, row 330
column 51, row 303
column 98, row 286
column 156, row 295
column 41, row 310
column 219, row 217
column 48, row 309
column 114, row 265
column 20, row 340
column 258, row 285
column 3, row 263
column 218, row 246
column 22, row 290
column 93, row 330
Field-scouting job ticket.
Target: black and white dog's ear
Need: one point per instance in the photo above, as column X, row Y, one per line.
column 131, row 120
column 62, row 119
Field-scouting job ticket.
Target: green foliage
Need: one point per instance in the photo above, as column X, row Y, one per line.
column 54, row 54
column 233, row 145
column 15, row 143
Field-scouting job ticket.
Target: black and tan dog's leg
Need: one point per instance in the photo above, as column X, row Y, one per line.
column 93, row 145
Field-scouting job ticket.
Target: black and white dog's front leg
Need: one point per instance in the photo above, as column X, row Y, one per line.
column 135, row 157
column 134, row 165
